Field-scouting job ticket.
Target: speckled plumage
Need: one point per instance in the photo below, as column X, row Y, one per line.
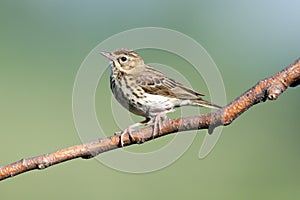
column 146, row 91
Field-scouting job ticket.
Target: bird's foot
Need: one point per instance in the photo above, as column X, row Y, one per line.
column 158, row 122
column 122, row 133
column 157, row 126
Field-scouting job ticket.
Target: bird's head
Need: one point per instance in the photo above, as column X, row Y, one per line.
column 124, row 60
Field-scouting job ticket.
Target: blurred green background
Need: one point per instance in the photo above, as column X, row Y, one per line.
column 43, row 43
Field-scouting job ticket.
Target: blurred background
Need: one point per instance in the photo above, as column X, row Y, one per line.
column 42, row 45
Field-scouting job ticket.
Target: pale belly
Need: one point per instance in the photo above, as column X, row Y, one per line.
column 144, row 104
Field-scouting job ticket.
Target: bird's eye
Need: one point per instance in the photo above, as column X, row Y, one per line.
column 123, row 59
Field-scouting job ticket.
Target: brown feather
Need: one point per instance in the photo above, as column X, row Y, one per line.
column 157, row 83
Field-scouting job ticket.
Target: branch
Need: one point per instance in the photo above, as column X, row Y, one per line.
column 268, row 89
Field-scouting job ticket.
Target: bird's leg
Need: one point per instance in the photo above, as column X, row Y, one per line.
column 157, row 122
column 128, row 130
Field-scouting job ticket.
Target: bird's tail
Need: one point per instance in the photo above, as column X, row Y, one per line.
column 201, row 102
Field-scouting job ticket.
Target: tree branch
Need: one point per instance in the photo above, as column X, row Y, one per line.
column 269, row 88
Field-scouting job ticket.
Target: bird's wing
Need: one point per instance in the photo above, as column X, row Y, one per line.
column 156, row 83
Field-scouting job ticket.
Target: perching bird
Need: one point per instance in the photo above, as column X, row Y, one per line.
column 146, row 91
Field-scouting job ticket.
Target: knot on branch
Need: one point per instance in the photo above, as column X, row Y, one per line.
column 276, row 88
column 44, row 163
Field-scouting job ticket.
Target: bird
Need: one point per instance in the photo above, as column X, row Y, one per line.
column 147, row 92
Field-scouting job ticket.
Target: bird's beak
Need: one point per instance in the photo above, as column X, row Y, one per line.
column 107, row 55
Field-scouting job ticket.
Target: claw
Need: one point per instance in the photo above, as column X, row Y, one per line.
column 157, row 122
column 126, row 131
column 129, row 130
column 157, row 126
